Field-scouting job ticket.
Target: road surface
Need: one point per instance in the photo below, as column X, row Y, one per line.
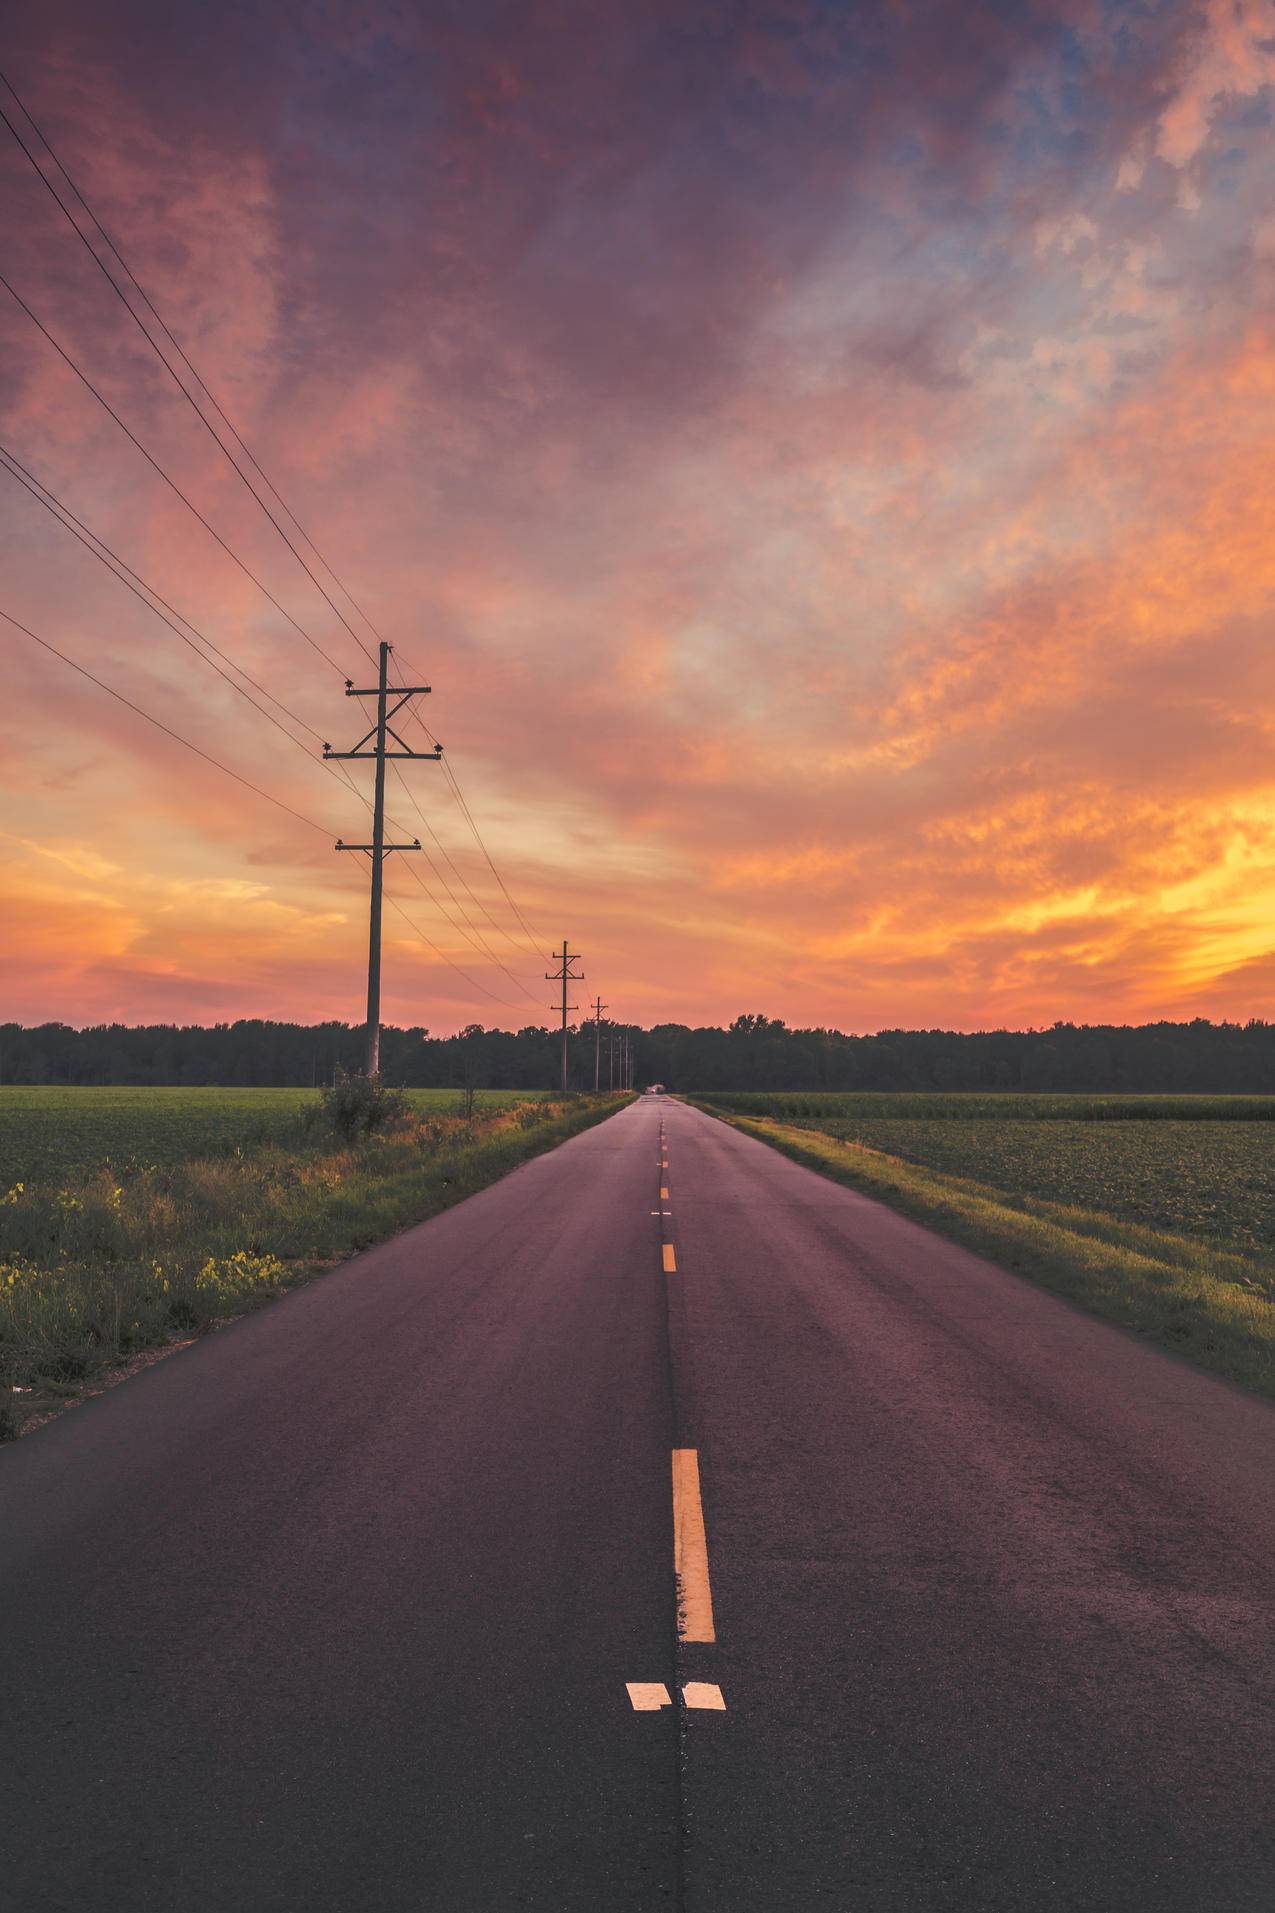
column 368, row 1601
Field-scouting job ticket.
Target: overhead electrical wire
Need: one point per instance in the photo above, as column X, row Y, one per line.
column 247, row 783
column 108, row 408
column 535, row 944
column 140, row 587
column 154, row 344
column 145, row 592
column 478, row 940
column 450, row 775
column 160, row 726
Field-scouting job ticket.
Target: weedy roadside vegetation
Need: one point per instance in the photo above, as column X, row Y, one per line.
column 1154, row 1212
column 55, row 1130
column 99, row 1264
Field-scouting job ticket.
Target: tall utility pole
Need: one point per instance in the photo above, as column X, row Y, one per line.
column 378, row 848
column 567, row 975
column 598, row 1008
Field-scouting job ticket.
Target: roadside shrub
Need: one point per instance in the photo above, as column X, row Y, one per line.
column 358, row 1105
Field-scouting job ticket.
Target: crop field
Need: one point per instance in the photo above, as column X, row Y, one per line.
column 1193, row 1174
column 58, row 1132
column 1158, row 1212
column 1212, row 1181
column 1198, row 1166
column 1002, row 1106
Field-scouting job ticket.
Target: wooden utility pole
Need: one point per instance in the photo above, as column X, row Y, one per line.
column 598, row 1008
column 378, row 849
column 567, row 975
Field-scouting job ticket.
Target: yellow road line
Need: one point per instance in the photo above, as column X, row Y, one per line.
column 704, row 1694
column 663, row 1195
column 690, row 1551
column 670, row 1260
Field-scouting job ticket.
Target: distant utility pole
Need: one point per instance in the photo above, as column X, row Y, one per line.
column 567, row 975
column 378, row 848
column 611, row 1060
column 598, row 1008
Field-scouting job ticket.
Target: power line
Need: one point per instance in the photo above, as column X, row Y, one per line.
column 140, row 587
column 170, row 482
column 160, row 726
column 452, row 780
column 478, row 940
column 144, row 592
column 460, row 875
column 197, row 408
column 467, row 814
column 279, row 804
column 248, row 573
column 104, row 269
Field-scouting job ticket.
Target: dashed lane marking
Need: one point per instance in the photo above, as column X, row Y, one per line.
column 690, row 1551
column 670, row 1260
column 663, row 1195
column 649, row 1696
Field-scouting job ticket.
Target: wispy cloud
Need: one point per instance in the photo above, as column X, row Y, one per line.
column 820, row 457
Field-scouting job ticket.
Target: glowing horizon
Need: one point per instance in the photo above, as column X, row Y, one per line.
column 820, row 459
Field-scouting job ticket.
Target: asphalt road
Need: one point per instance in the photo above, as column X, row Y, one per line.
column 339, row 1609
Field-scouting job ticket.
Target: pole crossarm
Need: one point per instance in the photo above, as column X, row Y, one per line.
column 370, row 757
column 405, row 691
column 383, row 727
column 385, row 848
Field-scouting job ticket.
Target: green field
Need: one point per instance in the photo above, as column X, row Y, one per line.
column 130, row 1218
column 1000, row 1106
column 1156, row 1212
column 51, row 1132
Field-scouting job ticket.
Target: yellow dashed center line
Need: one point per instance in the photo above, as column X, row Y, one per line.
column 690, row 1551
column 670, row 1260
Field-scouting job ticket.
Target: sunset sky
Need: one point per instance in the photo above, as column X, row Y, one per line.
column 822, row 456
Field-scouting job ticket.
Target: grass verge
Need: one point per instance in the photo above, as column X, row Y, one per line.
column 114, row 1262
column 1213, row 1306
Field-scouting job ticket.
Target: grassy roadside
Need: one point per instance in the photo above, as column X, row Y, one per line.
column 99, row 1267
column 1215, row 1307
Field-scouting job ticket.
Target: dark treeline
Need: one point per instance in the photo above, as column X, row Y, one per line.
column 754, row 1053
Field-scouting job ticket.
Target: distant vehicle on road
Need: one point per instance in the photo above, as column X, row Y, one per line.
column 653, row 1089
